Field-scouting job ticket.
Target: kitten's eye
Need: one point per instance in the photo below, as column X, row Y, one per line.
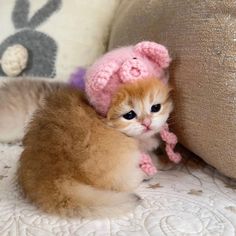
column 134, row 58
column 156, row 108
column 130, row 115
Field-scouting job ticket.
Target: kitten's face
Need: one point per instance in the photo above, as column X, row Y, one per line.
column 140, row 109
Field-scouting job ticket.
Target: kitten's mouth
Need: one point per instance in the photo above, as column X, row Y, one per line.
column 147, row 129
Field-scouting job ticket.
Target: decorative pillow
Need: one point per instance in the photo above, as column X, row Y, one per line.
column 59, row 35
column 201, row 38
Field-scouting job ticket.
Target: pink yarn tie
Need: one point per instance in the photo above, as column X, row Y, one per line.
column 171, row 141
column 146, row 165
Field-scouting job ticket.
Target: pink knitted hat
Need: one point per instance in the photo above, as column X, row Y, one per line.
column 124, row 65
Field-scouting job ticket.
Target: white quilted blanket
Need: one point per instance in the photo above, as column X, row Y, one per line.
column 190, row 200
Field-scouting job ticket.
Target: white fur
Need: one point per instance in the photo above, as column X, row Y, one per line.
column 149, row 144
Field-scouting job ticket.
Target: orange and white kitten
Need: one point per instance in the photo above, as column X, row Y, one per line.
column 140, row 110
column 71, row 164
column 76, row 163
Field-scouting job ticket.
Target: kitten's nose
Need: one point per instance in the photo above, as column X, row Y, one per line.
column 146, row 122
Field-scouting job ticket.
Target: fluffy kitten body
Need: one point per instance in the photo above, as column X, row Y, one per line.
column 71, row 163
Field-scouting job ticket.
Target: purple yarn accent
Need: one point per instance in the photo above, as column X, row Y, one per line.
column 77, row 78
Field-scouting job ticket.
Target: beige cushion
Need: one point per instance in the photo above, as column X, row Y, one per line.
column 201, row 36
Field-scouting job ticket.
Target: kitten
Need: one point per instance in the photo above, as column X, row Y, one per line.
column 71, row 163
column 140, row 110
column 76, row 163
column 19, row 98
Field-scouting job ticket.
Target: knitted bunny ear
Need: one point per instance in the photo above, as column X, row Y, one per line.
column 20, row 14
column 99, row 80
column 154, row 51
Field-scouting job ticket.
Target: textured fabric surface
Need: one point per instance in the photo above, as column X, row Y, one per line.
column 60, row 35
column 190, row 199
column 202, row 40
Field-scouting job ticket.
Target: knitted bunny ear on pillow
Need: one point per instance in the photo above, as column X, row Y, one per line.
column 124, row 65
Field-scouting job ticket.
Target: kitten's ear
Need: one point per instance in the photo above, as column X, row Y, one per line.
column 154, row 51
column 100, row 79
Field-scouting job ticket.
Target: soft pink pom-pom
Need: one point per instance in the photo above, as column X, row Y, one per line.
column 147, row 166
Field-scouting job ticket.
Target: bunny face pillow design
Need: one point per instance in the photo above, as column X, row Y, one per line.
column 124, row 65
